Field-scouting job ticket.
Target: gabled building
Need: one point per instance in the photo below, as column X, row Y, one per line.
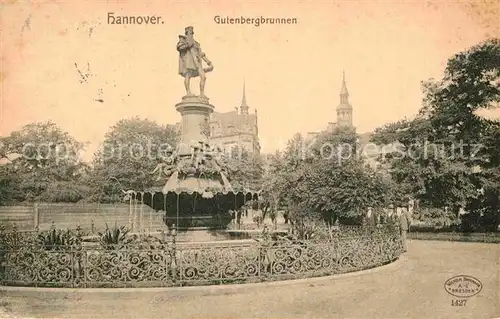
column 237, row 128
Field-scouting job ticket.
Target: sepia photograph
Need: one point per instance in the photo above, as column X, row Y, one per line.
column 250, row 159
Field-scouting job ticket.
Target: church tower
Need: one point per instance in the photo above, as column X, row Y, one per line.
column 344, row 109
column 244, row 106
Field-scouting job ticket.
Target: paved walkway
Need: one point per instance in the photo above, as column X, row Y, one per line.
column 410, row 288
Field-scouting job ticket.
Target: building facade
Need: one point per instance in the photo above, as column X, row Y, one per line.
column 236, row 129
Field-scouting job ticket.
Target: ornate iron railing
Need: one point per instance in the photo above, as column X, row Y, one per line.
column 190, row 264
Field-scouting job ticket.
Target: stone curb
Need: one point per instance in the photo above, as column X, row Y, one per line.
column 212, row 289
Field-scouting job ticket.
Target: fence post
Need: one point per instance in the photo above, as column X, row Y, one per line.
column 135, row 220
column 150, row 220
column 36, row 217
column 130, row 213
column 175, row 262
column 141, row 216
column 259, row 260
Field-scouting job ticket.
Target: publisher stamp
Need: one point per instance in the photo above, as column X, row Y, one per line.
column 462, row 287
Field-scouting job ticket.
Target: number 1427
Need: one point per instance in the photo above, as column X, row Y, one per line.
column 459, row 303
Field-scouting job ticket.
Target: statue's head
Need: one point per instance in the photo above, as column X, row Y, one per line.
column 189, row 30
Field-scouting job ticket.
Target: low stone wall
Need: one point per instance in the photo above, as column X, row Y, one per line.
column 22, row 216
column 171, row 264
column 88, row 216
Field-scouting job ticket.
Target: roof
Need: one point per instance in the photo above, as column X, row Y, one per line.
column 343, row 88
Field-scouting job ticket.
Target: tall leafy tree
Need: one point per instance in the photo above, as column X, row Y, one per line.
column 131, row 150
column 450, row 154
column 341, row 184
column 246, row 169
column 327, row 177
column 43, row 164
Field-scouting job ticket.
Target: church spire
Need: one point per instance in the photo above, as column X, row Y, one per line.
column 244, row 106
column 344, row 109
column 343, row 89
column 344, row 94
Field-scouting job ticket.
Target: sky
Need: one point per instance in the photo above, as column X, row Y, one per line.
column 293, row 72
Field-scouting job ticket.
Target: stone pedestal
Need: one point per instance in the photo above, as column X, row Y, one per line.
column 195, row 113
column 198, row 201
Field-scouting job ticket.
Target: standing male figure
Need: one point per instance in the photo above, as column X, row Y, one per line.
column 404, row 226
column 371, row 217
column 190, row 61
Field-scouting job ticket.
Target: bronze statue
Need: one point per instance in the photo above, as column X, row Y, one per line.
column 191, row 59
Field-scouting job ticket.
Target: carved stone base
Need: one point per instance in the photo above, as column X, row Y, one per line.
column 195, row 98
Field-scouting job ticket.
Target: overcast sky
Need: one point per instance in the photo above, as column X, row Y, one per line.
column 293, row 72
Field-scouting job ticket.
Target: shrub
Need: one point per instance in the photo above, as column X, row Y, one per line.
column 113, row 238
column 436, row 217
column 146, row 242
column 55, row 239
column 10, row 238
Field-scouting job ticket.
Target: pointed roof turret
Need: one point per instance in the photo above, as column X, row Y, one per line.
column 244, row 106
column 343, row 89
column 344, row 94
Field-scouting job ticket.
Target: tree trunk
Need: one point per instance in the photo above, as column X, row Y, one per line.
column 264, row 212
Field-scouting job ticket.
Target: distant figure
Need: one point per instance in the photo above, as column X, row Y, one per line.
column 272, row 215
column 381, row 218
column 285, row 217
column 390, row 212
column 404, row 226
column 238, row 217
column 371, row 218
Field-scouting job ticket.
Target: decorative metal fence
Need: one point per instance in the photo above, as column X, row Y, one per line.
column 173, row 264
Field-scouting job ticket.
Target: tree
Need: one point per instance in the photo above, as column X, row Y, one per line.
column 279, row 182
column 246, row 169
column 340, row 184
column 326, row 177
column 450, row 155
column 132, row 149
column 42, row 155
column 8, row 184
column 273, row 185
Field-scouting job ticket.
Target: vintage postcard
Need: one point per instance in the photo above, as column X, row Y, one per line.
column 249, row 159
